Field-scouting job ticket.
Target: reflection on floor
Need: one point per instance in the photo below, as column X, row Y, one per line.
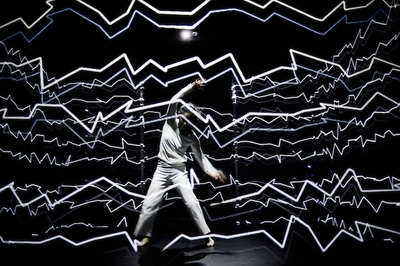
column 251, row 251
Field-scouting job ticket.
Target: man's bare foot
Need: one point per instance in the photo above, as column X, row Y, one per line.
column 209, row 242
column 143, row 242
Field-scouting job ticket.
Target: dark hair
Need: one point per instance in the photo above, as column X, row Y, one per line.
column 192, row 117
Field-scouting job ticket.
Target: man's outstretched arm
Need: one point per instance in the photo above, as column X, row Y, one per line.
column 206, row 165
column 173, row 107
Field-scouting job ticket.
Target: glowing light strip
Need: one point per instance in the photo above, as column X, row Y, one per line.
column 131, row 241
column 183, row 13
column 291, row 222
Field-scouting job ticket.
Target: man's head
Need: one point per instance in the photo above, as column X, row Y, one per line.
column 186, row 115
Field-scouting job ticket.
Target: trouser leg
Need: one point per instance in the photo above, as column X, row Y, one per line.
column 151, row 204
column 191, row 202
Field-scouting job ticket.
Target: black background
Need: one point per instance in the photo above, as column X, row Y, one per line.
column 333, row 171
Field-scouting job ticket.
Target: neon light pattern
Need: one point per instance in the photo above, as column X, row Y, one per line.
column 299, row 124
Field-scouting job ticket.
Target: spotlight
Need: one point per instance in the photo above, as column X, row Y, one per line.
column 186, row 35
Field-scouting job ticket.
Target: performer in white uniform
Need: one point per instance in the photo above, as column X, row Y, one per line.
column 176, row 138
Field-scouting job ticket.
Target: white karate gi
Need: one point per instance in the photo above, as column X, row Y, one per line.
column 171, row 170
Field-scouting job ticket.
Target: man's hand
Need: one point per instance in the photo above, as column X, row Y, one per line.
column 198, row 84
column 220, row 177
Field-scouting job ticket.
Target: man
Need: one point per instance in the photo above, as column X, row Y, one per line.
column 177, row 136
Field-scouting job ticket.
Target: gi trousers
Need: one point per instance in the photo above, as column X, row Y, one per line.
column 165, row 176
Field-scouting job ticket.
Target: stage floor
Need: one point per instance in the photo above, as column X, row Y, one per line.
column 250, row 250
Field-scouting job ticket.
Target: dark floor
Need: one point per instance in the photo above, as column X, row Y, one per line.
column 250, row 250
